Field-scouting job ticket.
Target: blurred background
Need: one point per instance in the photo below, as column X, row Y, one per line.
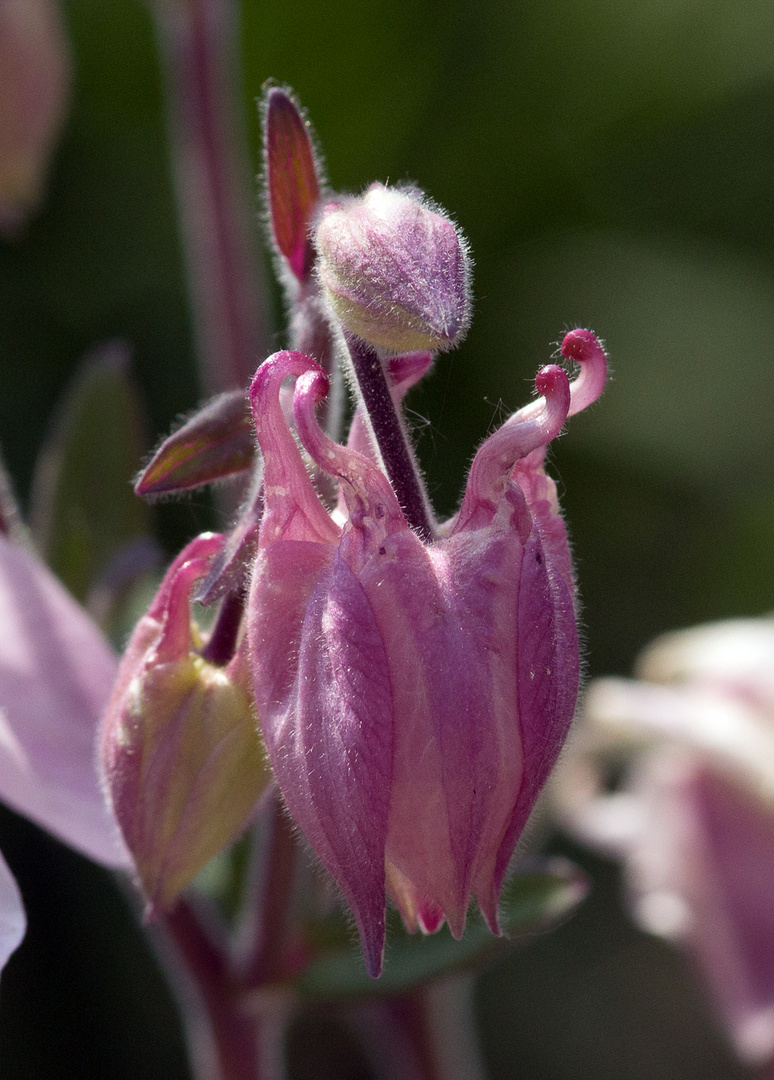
column 611, row 165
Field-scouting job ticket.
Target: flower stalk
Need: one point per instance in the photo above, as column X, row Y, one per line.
column 389, row 432
column 198, row 40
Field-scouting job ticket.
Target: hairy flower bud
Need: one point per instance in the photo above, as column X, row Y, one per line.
column 395, row 269
column 181, row 757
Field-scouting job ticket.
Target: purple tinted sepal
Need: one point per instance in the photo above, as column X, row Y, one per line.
column 293, row 179
column 56, row 674
column 216, row 442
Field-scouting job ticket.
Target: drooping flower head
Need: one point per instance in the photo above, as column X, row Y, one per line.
column 414, row 692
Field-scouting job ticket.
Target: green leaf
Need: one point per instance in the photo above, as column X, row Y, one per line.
column 84, row 513
column 530, row 902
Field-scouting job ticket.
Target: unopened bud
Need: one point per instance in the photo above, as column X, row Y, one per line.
column 395, row 270
column 181, row 756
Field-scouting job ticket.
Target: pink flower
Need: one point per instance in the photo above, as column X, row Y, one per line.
column 695, row 821
column 56, row 674
column 34, row 93
column 414, row 694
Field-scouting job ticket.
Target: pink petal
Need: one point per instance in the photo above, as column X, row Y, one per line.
column 13, row 922
column 329, row 734
column 548, row 677
column 56, row 675
column 447, row 616
column 704, row 872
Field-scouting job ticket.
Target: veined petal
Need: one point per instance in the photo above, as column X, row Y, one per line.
column 13, row 922
column 548, row 678
column 447, row 617
column 56, row 675
column 329, row 739
column 374, row 511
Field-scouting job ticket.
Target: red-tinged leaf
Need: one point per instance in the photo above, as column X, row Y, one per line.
column 292, row 179
column 216, row 442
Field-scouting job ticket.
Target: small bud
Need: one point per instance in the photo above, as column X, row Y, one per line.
column 34, row 84
column 180, row 753
column 395, row 270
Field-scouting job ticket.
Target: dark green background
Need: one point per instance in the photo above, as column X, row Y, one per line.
column 611, row 164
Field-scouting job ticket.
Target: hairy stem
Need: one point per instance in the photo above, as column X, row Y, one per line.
column 223, row 639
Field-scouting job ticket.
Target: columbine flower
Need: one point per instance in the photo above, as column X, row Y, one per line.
column 183, row 765
column 56, row 674
column 695, row 819
column 414, row 694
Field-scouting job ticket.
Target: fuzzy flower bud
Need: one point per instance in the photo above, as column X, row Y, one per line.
column 182, row 761
column 395, row 269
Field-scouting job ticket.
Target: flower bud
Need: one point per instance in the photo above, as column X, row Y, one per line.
column 181, row 757
column 395, row 270
column 34, row 82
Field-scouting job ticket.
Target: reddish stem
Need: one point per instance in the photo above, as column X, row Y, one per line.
column 222, row 643
column 390, row 434
column 234, row 1031
column 425, row 1035
column 199, row 46
column 268, row 910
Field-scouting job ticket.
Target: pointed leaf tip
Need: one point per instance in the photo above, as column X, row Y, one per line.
column 216, row 442
column 292, row 179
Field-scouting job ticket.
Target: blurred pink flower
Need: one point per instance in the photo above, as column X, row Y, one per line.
column 34, row 92
column 694, row 820
column 56, row 674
